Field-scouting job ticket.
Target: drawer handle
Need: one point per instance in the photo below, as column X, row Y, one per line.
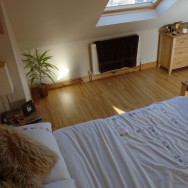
column 179, row 62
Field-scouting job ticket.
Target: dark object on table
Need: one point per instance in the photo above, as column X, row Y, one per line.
column 11, row 117
column 34, row 120
column 28, row 108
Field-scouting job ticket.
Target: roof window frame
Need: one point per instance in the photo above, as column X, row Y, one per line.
column 131, row 8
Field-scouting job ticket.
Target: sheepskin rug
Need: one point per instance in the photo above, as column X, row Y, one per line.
column 23, row 162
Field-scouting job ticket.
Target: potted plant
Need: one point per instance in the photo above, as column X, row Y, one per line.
column 39, row 68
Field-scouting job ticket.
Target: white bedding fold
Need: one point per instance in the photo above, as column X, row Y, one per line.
column 67, row 183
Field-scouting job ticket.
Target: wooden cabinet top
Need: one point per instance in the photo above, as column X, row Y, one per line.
column 174, row 36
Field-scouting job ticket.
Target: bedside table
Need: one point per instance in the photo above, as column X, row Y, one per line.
column 184, row 87
column 17, row 117
column 33, row 118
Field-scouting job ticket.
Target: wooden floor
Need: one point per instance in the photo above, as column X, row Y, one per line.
column 102, row 98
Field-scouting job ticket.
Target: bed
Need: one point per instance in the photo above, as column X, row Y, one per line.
column 144, row 148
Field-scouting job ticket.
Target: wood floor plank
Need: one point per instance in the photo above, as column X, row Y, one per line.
column 102, row 98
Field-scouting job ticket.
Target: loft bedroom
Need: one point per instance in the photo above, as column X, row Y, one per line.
column 52, row 29
column 127, row 125
column 68, row 38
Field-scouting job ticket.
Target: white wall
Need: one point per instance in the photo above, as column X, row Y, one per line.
column 17, row 56
column 149, row 45
column 74, row 57
column 9, row 53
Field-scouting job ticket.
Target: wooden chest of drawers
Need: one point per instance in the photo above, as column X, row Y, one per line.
column 173, row 51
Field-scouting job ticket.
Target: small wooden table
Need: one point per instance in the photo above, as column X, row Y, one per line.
column 24, row 119
column 184, row 87
column 17, row 118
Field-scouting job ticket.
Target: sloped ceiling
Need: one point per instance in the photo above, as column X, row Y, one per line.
column 46, row 22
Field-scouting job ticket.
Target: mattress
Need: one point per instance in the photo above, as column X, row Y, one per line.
column 144, row 148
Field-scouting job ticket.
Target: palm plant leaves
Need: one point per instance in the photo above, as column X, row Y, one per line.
column 38, row 67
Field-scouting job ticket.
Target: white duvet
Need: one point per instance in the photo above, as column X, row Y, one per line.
column 145, row 148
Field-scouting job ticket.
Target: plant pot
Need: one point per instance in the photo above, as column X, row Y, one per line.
column 43, row 90
column 34, row 91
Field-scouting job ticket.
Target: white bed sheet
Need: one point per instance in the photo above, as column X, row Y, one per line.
column 67, row 183
column 145, row 148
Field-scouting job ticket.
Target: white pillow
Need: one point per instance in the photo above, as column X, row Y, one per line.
column 42, row 132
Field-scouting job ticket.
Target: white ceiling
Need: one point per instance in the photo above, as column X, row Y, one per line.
column 45, row 22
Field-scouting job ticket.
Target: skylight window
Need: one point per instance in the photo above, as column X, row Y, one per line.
column 113, row 3
column 125, row 11
column 127, row 5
